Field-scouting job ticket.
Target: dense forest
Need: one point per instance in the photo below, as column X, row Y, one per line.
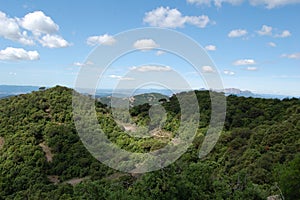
column 42, row 156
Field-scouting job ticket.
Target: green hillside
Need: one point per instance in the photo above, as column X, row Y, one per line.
column 42, row 157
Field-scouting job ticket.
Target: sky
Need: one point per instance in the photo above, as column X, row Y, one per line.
column 254, row 44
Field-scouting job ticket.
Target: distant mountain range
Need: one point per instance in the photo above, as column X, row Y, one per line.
column 227, row 91
column 12, row 90
column 105, row 94
column 247, row 93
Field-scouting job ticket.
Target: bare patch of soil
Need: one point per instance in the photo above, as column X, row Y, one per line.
column 1, row 142
column 75, row 181
column 47, row 151
column 53, row 179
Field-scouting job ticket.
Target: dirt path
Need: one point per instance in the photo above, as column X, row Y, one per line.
column 129, row 127
column 55, row 179
column 160, row 133
column 47, row 151
column 115, row 176
column 1, row 142
column 75, row 181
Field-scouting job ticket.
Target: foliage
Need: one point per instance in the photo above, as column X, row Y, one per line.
column 257, row 148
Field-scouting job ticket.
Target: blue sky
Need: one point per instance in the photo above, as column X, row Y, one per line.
column 255, row 44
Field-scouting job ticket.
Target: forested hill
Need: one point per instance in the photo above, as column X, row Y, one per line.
column 42, row 157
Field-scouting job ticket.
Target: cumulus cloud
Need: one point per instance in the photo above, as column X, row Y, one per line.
column 251, row 68
column 237, row 33
column 159, row 53
column 267, row 3
column 207, row 69
column 12, row 73
column 273, row 3
column 272, row 44
column 217, row 3
column 284, row 34
column 148, row 68
column 33, row 27
column 284, row 76
column 105, row 39
column 53, row 41
column 199, row 21
column 199, row 2
column 228, row 72
column 80, row 64
column 210, row 48
column 265, row 30
column 145, row 44
column 172, row 18
column 244, row 62
column 9, row 29
column 268, row 31
column 121, row 78
column 37, row 22
column 291, row 56
column 18, row 54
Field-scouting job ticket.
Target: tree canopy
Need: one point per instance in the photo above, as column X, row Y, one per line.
column 257, row 155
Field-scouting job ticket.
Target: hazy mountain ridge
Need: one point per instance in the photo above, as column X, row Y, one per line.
column 11, row 90
column 248, row 93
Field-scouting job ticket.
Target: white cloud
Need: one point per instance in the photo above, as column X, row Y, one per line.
column 12, row 73
column 265, row 30
column 217, row 3
column 40, row 28
column 114, row 76
column 80, row 64
column 199, row 2
column 37, row 22
column 127, row 79
column 210, row 48
column 284, row 34
column 147, row 68
column 207, row 69
column 145, row 44
column 121, row 78
column 159, row 53
column 291, row 56
column 164, row 17
column 267, row 3
column 17, row 54
column 24, row 39
column 286, row 76
column 228, row 72
column 105, row 39
column 244, row 62
column 268, row 31
column 9, row 29
column 251, row 68
column 272, row 44
column 237, row 33
column 273, row 3
column 53, row 41
column 199, row 21
column 172, row 18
